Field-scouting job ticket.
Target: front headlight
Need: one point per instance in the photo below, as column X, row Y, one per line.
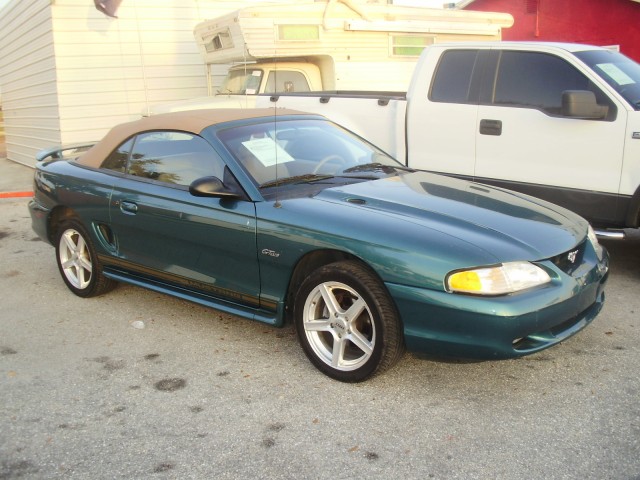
column 502, row 279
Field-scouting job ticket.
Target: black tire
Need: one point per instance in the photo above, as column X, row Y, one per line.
column 78, row 262
column 346, row 322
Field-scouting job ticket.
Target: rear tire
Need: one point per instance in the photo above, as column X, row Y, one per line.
column 78, row 262
column 347, row 323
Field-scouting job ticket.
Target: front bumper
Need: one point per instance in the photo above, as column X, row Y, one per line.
column 463, row 326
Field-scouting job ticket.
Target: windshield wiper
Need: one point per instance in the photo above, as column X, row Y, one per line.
column 306, row 178
column 378, row 167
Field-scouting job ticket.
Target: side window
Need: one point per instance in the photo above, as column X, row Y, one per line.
column 537, row 80
column 173, row 157
column 452, row 81
column 117, row 161
column 286, row 81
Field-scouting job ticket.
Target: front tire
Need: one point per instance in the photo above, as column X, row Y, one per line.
column 346, row 322
column 78, row 262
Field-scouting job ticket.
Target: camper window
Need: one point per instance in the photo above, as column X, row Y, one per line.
column 409, row 45
column 219, row 41
column 298, row 32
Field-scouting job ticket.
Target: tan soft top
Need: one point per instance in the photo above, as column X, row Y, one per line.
column 192, row 121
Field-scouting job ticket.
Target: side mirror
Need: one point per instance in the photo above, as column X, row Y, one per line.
column 582, row 104
column 213, row 187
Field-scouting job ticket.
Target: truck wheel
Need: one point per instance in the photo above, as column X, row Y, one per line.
column 78, row 262
column 346, row 322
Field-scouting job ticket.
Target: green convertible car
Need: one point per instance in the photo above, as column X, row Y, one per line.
column 277, row 216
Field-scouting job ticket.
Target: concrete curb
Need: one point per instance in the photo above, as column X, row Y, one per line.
column 16, row 179
column 15, row 194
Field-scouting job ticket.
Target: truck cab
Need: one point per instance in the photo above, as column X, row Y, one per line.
column 271, row 77
column 243, row 82
column 557, row 121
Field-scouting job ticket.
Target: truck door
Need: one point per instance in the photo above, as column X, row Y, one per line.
column 525, row 142
column 441, row 125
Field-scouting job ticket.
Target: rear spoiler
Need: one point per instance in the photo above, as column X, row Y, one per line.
column 58, row 153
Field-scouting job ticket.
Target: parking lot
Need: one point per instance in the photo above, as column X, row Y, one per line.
column 136, row 384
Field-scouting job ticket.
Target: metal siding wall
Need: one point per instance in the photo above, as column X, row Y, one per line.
column 68, row 73
column 28, row 79
column 110, row 70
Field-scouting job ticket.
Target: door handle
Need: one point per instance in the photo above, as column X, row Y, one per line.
column 128, row 207
column 491, row 127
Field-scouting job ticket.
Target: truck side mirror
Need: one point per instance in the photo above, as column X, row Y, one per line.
column 582, row 104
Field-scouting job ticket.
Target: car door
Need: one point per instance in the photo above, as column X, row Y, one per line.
column 163, row 233
column 524, row 142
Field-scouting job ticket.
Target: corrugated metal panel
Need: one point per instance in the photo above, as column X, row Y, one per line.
column 147, row 56
column 102, row 63
column 27, row 79
column 68, row 73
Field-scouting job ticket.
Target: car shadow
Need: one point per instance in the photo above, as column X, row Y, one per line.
column 625, row 254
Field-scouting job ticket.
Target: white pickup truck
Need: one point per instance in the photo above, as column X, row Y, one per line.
column 557, row 121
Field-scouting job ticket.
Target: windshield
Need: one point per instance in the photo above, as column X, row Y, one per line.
column 244, row 81
column 622, row 73
column 295, row 151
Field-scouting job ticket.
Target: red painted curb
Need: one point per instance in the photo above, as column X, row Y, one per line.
column 15, row 194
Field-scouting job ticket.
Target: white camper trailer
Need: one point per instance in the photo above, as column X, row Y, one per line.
column 325, row 46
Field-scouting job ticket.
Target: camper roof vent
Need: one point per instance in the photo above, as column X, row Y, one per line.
column 218, row 41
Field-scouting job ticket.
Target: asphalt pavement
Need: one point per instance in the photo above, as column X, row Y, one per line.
column 135, row 384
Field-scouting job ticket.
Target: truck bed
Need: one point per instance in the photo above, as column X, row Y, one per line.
column 371, row 114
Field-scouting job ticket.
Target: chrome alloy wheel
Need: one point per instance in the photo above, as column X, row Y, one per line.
column 75, row 259
column 339, row 326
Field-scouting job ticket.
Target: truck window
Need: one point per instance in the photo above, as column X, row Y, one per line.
column 242, row 81
column 537, row 80
column 285, row 81
column 452, row 81
column 620, row 72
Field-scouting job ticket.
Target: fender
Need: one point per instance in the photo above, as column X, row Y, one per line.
column 633, row 211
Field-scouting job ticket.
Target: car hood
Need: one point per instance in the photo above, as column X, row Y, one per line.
column 505, row 224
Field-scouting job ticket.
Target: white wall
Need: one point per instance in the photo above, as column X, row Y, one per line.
column 68, row 73
column 28, row 79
